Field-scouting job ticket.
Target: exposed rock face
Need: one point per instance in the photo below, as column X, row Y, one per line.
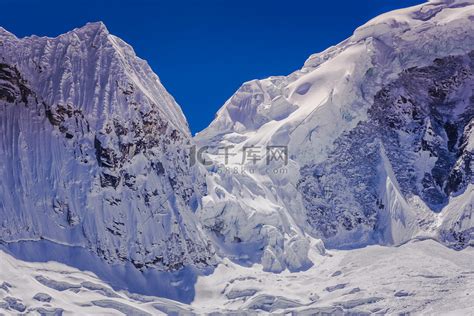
column 420, row 124
column 94, row 152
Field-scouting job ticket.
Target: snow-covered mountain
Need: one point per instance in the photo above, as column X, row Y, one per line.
column 379, row 134
column 94, row 153
column 368, row 146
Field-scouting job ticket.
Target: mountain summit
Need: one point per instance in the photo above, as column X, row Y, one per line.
column 94, row 153
column 379, row 134
column 292, row 200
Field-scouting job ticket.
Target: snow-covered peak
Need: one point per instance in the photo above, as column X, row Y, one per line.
column 89, row 30
column 90, row 56
column 5, row 34
column 279, row 104
column 391, row 25
column 372, row 150
column 375, row 147
column 98, row 26
column 106, row 145
column 95, row 34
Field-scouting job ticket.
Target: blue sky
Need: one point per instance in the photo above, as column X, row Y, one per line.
column 204, row 50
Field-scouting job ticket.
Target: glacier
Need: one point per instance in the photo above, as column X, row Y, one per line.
column 425, row 278
column 378, row 130
column 105, row 207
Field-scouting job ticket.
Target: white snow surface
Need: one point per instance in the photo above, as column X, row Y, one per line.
column 421, row 277
column 94, row 153
column 307, row 111
column 96, row 168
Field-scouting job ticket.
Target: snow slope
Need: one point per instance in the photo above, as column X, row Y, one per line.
column 378, row 136
column 377, row 128
column 421, row 277
column 418, row 277
column 94, row 153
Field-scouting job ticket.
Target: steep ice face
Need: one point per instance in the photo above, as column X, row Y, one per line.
column 94, row 152
column 378, row 131
column 413, row 137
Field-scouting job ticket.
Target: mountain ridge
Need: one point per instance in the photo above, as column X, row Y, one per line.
column 376, row 136
column 313, row 111
column 99, row 146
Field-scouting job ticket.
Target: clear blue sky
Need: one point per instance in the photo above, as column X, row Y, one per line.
column 204, row 50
